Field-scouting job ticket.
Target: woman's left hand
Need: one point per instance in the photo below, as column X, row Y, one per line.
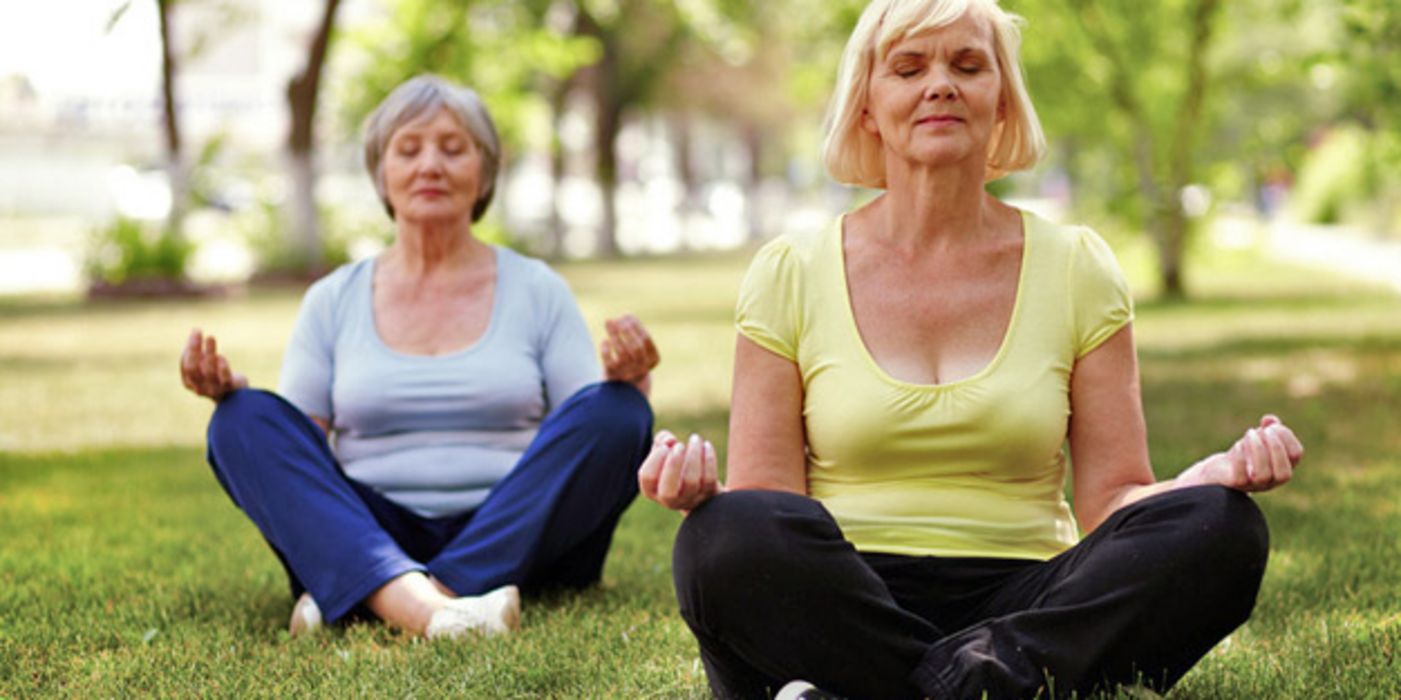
column 1265, row 457
column 628, row 352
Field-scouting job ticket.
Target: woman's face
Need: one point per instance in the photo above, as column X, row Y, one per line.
column 432, row 169
column 936, row 97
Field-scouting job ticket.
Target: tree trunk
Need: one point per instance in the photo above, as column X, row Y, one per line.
column 174, row 159
column 554, row 236
column 303, row 218
column 607, row 126
column 1169, row 228
column 754, row 144
column 1174, row 228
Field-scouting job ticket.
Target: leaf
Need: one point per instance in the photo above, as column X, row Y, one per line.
column 116, row 16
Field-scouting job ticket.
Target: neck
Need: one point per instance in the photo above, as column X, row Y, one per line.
column 424, row 247
column 927, row 208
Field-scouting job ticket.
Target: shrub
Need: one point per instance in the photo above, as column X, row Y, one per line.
column 128, row 250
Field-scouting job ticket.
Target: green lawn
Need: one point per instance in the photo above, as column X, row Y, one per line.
column 126, row 571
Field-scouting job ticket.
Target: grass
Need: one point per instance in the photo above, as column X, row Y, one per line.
column 126, row 571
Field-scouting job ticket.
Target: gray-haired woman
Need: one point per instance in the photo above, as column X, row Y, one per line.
column 440, row 437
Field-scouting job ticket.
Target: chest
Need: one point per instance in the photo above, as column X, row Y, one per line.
column 433, row 321
column 938, row 320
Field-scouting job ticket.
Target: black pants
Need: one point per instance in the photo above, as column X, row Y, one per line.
column 773, row 592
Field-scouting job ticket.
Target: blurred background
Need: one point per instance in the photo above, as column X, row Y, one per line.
column 182, row 146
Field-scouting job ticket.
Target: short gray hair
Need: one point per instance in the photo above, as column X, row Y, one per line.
column 425, row 94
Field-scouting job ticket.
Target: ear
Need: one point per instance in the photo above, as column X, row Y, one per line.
column 868, row 123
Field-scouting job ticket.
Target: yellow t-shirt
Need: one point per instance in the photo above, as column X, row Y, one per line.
column 971, row 468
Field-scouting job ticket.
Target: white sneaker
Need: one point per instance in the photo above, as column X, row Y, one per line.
column 306, row 616
column 488, row 615
column 803, row 690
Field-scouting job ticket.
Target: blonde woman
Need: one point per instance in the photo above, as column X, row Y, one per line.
column 905, row 380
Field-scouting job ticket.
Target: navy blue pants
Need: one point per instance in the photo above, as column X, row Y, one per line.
column 773, row 592
column 547, row 524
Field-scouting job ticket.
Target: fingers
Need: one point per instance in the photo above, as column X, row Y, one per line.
column 190, row 359
column 678, row 475
column 628, row 352
column 1259, row 469
column 710, row 477
column 204, row 371
column 1292, row 446
column 691, row 469
column 1281, row 466
column 1238, row 466
column 669, row 484
column 649, row 474
column 209, row 365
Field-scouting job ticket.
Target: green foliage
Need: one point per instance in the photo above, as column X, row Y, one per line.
column 1370, row 53
column 1331, row 177
column 503, row 50
column 129, row 250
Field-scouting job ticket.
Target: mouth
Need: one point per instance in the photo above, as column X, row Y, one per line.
column 939, row 120
column 430, row 191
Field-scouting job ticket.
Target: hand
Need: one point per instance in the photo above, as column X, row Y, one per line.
column 679, row 475
column 1265, row 457
column 204, row 371
column 628, row 352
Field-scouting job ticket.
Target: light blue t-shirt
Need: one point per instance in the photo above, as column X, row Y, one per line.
column 434, row 433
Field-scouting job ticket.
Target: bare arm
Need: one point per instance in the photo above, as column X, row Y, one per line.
column 767, row 444
column 1109, row 441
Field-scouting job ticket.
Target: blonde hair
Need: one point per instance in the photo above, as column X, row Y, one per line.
column 853, row 155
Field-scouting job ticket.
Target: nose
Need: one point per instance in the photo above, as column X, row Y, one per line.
column 430, row 161
column 940, row 86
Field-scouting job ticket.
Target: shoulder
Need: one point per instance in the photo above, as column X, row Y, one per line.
column 1070, row 237
column 539, row 282
column 796, row 253
column 332, row 288
column 525, row 269
column 1079, row 247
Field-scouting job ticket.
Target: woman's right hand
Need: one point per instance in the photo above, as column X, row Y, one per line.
column 204, row 371
column 679, row 475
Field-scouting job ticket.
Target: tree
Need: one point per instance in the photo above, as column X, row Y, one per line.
column 1142, row 99
column 640, row 41
column 466, row 41
column 1151, row 63
column 302, row 91
column 175, row 166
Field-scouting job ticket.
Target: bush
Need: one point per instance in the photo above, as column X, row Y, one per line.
column 127, row 250
column 1348, row 178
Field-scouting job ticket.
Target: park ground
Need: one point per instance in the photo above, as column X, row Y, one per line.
column 125, row 570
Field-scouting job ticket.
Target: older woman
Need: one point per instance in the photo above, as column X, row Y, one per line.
column 905, row 380
column 439, row 437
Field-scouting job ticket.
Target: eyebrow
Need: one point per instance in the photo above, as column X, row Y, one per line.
column 976, row 51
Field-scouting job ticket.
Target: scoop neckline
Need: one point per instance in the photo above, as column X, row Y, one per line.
column 468, row 349
column 1003, row 349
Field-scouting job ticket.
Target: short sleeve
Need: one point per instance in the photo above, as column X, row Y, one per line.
column 308, row 365
column 567, row 359
column 1101, row 302
column 769, row 311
